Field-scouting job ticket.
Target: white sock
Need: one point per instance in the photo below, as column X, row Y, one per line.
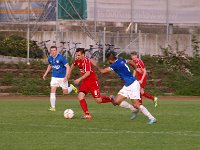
column 125, row 104
column 53, row 100
column 146, row 112
column 69, row 89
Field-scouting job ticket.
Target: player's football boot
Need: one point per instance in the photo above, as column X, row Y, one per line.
column 155, row 101
column 87, row 117
column 112, row 97
column 74, row 88
column 134, row 115
column 51, row 109
column 151, row 121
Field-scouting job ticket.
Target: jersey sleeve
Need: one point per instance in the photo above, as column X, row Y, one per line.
column 64, row 61
column 113, row 66
column 49, row 60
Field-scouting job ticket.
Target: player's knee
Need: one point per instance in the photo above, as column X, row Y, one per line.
column 65, row 92
column 98, row 100
column 137, row 104
column 80, row 97
column 117, row 102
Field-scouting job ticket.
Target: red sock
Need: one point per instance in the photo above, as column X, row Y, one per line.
column 105, row 99
column 147, row 95
column 84, row 106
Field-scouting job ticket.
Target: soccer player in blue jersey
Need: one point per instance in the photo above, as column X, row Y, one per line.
column 131, row 88
column 60, row 69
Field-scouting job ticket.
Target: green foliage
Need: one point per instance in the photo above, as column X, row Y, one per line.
column 124, row 55
column 8, row 79
column 17, row 46
column 175, row 60
column 27, row 80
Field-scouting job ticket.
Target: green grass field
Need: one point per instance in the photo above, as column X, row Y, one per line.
column 27, row 125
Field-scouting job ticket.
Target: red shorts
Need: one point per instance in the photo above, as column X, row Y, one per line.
column 92, row 87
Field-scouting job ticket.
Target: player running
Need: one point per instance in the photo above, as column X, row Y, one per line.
column 131, row 88
column 60, row 70
column 141, row 74
column 89, row 82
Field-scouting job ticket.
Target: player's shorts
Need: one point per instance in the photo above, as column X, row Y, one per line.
column 132, row 91
column 92, row 87
column 59, row 82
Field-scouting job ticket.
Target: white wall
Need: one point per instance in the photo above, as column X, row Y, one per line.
column 147, row 43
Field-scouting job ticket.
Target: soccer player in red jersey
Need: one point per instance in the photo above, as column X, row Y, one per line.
column 90, row 82
column 141, row 75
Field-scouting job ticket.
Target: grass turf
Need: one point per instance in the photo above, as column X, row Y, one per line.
column 27, row 125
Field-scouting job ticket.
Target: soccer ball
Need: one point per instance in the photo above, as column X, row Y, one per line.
column 68, row 114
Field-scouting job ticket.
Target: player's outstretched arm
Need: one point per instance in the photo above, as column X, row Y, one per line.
column 144, row 74
column 70, row 71
column 131, row 63
column 67, row 72
column 105, row 70
column 47, row 71
column 108, row 69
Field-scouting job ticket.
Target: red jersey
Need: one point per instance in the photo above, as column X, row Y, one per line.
column 84, row 66
column 140, row 66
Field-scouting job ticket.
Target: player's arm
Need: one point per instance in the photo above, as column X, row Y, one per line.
column 144, row 74
column 67, row 72
column 105, row 70
column 47, row 71
column 87, row 73
column 70, row 71
column 143, row 70
column 108, row 69
column 132, row 64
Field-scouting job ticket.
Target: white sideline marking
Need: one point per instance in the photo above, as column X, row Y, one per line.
column 102, row 131
column 107, row 132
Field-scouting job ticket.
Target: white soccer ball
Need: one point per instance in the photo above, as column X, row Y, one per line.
column 68, row 114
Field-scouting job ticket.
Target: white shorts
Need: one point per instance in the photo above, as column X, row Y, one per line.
column 132, row 91
column 59, row 82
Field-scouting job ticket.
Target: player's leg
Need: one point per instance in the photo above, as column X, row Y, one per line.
column 74, row 88
column 145, row 94
column 149, row 96
column 54, row 84
column 83, row 90
column 119, row 100
column 94, row 89
column 134, row 94
column 65, row 88
column 53, row 98
column 144, row 110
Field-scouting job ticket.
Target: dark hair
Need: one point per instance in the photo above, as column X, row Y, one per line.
column 134, row 53
column 111, row 56
column 53, row 47
column 82, row 50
